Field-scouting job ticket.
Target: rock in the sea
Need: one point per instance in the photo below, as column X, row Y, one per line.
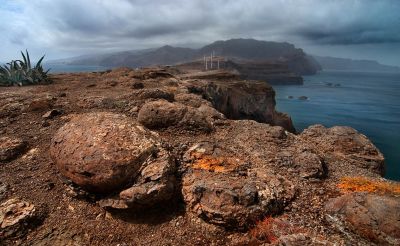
column 16, row 217
column 303, row 98
column 162, row 114
column 218, row 188
column 374, row 217
column 11, row 147
column 101, row 151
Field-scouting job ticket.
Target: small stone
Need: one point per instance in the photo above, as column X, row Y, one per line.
column 40, row 104
column 134, row 109
column 10, row 148
column 15, row 217
column 137, row 85
column 52, row 113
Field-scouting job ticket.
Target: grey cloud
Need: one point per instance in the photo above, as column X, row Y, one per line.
column 75, row 25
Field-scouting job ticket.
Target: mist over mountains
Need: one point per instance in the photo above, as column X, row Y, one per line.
column 243, row 50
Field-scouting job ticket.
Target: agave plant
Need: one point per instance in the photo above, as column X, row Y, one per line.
column 20, row 72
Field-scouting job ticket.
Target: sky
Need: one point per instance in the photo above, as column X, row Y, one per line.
column 359, row 29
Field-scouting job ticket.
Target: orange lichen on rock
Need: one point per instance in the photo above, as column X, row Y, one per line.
column 363, row 184
column 215, row 164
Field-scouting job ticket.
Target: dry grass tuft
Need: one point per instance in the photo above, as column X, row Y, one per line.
column 270, row 229
column 362, row 184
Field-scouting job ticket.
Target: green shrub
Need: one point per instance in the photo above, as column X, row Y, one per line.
column 20, row 72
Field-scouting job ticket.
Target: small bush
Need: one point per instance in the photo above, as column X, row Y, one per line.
column 362, row 184
column 20, row 72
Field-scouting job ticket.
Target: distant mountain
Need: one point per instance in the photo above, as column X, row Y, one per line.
column 354, row 65
column 236, row 49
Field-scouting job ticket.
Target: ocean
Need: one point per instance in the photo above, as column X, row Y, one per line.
column 366, row 101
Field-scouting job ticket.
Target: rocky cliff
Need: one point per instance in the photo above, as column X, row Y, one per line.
column 152, row 157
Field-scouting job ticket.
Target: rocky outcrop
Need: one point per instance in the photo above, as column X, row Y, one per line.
column 345, row 143
column 375, row 217
column 244, row 100
column 225, row 190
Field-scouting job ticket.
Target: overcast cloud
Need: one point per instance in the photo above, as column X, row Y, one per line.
column 367, row 29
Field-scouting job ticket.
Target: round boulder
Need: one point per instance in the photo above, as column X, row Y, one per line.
column 101, row 151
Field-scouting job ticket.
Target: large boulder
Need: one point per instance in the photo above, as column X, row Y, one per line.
column 374, row 217
column 101, row 152
column 163, row 114
column 344, row 144
column 155, row 183
column 225, row 190
column 160, row 114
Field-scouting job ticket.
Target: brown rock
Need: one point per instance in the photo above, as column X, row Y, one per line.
column 137, row 85
column 191, row 100
column 310, row 165
column 40, row 104
column 220, row 190
column 155, row 184
column 341, row 142
column 144, row 94
column 246, row 100
column 10, row 148
column 15, row 217
column 160, row 114
column 195, row 120
column 52, row 113
column 374, row 217
column 101, row 152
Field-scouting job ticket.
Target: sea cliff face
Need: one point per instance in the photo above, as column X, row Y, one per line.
column 135, row 155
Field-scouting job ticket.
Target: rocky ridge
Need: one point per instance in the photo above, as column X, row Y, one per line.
column 147, row 157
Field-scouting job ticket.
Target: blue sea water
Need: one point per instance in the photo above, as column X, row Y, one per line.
column 366, row 101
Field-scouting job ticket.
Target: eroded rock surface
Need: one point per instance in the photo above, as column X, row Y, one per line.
column 106, row 152
column 101, row 151
column 245, row 100
column 375, row 217
column 16, row 217
column 226, row 191
column 345, row 143
column 162, row 114
column 11, row 147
